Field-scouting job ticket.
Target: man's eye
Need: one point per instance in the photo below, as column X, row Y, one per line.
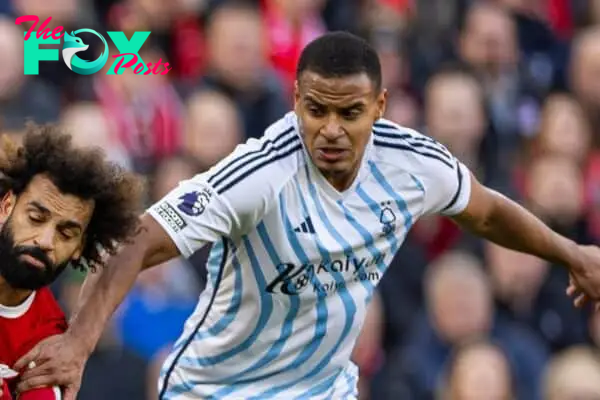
column 316, row 111
column 351, row 114
column 67, row 234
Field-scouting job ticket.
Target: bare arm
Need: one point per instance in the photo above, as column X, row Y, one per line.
column 103, row 291
column 504, row 222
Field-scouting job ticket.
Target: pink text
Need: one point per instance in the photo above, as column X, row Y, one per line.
column 138, row 69
column 55, row 34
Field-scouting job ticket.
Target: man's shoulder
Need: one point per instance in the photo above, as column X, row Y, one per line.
column 276, row 156
column 44, row 298
column 38, row 320
column 48, row 316
column 407, row 148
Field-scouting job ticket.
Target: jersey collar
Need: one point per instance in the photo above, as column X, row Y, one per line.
column 17, row 311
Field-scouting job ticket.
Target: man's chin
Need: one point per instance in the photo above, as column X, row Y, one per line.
column 31, row 278
column 337, row 168
column 26, row 285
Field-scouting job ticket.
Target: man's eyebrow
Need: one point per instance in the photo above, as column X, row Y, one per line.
column 39, row 207
column 357, row 104
column 69, row 224
column 311, row 99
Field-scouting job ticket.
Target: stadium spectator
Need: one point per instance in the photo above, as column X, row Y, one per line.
column 237, row 66
column 478, row 370
column 22, row 96
column 526, row 291
column 212, row 127
column 290, row 26
column 144, row 111
column 460, row 309
column 584, row 67
column 573, row 374
column 89, row 126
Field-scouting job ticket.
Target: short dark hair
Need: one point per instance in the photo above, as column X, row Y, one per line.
column 339, row 54
column 81, row 172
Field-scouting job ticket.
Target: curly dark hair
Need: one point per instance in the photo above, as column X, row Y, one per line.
column 82, row 172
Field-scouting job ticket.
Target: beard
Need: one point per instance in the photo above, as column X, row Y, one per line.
column 21, row 274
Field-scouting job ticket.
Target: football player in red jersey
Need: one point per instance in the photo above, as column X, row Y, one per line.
column 60, row 206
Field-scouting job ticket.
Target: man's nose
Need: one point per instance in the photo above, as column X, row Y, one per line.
column 332, row 130
column 45, row 239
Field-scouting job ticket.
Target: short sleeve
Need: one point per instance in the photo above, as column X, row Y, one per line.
column 447, row 186
column 193, row 214
column 232, row 197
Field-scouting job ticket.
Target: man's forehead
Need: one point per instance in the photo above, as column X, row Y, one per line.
column 41, row 191
column 356, row 85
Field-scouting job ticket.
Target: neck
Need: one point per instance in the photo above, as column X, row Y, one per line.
column 11, row 297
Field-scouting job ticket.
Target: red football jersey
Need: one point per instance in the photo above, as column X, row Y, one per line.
column 21, row 328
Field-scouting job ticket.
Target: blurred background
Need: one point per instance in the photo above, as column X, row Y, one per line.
column 512, row 87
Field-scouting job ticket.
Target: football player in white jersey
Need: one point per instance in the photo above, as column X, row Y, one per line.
column 303, row 223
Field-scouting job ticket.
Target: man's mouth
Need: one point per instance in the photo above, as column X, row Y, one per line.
column 32, row 261
column 331, row 154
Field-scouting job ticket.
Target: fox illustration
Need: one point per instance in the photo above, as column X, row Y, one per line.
column 73, row 45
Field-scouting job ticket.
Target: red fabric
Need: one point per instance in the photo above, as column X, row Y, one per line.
column 35, row 394
column 43, row 319
column 188, row 48
column 400, row 5
column 6, row 392
column 286, row 42
column 592, row 194
column 443, row 238
column 559, row 14
column 41, row 394
column 150, row 126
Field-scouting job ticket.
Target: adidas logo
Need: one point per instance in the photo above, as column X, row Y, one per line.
column 305, row 227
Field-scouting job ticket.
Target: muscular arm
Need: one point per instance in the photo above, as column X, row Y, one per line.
column 104, row 290
column 502, row 221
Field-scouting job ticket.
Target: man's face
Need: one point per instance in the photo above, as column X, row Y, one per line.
column 481, row 372
column 43, row 230
column 11, row 42
column 454, row 113
column 336, row 117
column 489, row 41
column 585, row 71
column 236, row 48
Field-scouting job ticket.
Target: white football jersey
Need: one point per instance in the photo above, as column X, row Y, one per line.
column 294, row 261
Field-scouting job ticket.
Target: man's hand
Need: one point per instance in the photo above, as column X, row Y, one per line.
column 585, row 277
column 56, row 361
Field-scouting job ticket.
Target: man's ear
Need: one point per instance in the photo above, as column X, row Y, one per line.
column 381, row 103
column 79, row 250
column 7, row 205
column 296, row 95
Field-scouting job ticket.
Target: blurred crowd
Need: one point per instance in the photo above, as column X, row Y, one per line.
column 512, row 87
